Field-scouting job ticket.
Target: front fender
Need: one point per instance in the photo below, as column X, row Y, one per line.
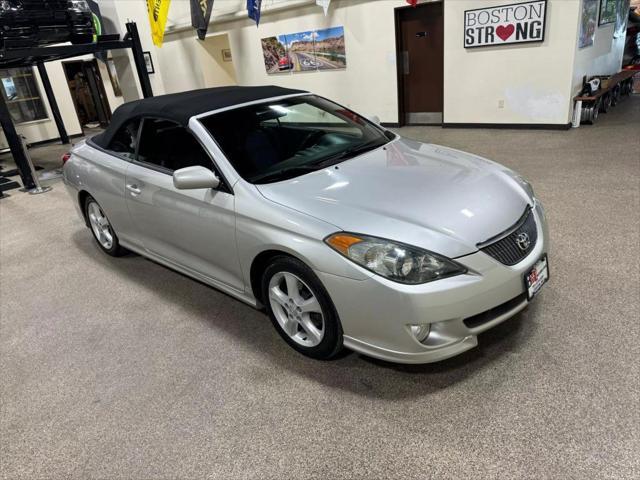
column 263, row 225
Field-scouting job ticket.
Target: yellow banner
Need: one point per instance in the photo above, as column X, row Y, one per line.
column 158, row 10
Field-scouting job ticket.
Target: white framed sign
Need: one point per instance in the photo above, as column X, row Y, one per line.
column 505, row 24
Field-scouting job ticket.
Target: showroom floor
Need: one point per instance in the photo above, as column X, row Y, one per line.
column 120, row 368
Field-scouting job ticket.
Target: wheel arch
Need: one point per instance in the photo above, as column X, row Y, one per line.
column 259, row 264
column 82, row 198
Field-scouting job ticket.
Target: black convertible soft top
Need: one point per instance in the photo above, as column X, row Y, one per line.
column 180, row 107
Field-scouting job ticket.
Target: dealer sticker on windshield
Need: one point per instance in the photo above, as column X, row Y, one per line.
column 535, row 278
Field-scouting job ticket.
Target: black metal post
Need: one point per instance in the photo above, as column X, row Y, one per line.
column 89, row 73
column 138, row 58
column 44, row 76
column 15, row 144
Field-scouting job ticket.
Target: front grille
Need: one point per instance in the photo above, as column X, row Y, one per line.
column 508, row 249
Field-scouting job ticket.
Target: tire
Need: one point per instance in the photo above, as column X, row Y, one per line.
column 615, row 95
column 595, row 111
column 101, row 229
column 315, row 336
column 605, row 103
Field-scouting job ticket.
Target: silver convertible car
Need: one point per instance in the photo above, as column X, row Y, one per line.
column 346, row 233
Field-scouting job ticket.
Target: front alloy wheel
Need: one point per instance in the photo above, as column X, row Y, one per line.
column 300, row 308
column 296, row 309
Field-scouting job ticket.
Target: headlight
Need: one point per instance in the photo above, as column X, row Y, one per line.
column 393, row 260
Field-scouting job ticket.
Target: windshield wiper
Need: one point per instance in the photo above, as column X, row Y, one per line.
column 349, row 153
column 294, row 171
column 285, row 173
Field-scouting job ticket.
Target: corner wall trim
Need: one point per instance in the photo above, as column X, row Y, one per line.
column 513, row 126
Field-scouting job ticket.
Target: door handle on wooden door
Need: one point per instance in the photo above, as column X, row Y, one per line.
column 405, row 62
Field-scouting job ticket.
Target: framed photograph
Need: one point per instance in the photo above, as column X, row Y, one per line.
column 148, row 61
column 312, row 50
column 608, row 12
column 226, row 55
column 621, row 19
column 588, row 20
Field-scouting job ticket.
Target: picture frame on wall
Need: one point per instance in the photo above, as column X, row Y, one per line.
column 588, row 22
column 608, row 12
column 148, row 62
column 620, row 29
column 113, row 77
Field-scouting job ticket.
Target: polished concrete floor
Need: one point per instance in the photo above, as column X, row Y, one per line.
column 120, row 368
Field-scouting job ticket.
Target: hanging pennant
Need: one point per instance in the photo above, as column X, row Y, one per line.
column 158, row 11
column 253, row 8
column 200, row 16
column 324, row 4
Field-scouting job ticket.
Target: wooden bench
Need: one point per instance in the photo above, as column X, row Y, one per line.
column 617, row 85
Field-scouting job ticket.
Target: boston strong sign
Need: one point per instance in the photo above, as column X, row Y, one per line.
column 505, row 24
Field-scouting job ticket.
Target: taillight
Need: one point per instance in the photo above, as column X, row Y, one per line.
column 65, row 157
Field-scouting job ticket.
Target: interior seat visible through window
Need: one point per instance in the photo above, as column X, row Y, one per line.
column 168, row 145
column 125, row 140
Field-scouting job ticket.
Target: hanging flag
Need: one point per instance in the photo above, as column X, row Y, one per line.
column 253, row 7
column 200, row 16
column 158, row 11
column 324, row 4
column 413, row 3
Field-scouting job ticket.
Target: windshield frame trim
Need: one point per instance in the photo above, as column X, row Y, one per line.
column 248, row 104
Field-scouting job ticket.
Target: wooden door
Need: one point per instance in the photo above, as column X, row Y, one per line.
column 420, row 38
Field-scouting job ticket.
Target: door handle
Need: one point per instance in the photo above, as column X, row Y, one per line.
column 133, row 188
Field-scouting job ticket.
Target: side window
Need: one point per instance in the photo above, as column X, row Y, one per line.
column 125, row 139
column 168, row 145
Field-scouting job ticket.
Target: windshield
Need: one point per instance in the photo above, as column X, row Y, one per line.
column 274, row 141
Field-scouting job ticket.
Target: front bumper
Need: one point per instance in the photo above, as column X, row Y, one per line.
column 376, row 313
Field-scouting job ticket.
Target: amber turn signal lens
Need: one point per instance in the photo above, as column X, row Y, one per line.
column 342, row 242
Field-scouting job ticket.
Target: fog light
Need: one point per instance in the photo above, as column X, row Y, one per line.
column 420, row 332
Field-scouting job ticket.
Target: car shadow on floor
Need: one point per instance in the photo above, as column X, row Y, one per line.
column 350, row 371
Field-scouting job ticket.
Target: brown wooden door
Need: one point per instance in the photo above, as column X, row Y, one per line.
column 421, row 68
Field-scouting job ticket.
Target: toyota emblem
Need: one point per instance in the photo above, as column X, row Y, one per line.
column 523, row 241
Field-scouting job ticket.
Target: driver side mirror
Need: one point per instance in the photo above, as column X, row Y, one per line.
column 190, row 178
column 374, row 119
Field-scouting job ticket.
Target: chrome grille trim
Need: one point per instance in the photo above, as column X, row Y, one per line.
column 503, row 247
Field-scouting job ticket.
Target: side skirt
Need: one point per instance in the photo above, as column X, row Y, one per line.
column 211, row 282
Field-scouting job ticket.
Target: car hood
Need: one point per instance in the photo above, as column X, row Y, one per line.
column 425, row 195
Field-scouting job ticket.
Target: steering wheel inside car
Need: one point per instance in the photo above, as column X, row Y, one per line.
column 312, row 138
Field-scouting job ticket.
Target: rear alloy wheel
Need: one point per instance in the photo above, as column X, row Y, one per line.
column 300, row 308
column 102, row 230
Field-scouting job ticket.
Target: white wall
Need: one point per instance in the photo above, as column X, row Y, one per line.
column 46, row 129
column 532, row 81
column 216, row 71
column 604, row 57
column 368, row 84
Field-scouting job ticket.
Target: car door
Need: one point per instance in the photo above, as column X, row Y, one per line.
column 193, row 229
column 104, row 171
